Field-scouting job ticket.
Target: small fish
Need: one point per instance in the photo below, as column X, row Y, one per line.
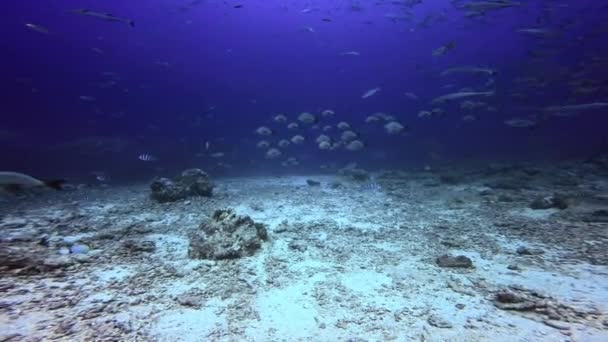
column 307, row 118
column 538, row 32
column 297, row 139
column 217, row 155
column 103, row 16
column 147, row 157
column 263, row 144
column 577, row 108
column 99, row 176
column 272, row 153
column 461, row 94
column 393, row 128
column 309, row 29
column 321, row 138
column 87, row 98
column 411, row 96
column 372, row 119
column 263, row 131
column 280, row 118
column 343, row 125
column 355, row 145
column 425, row 114
column 442, row 50
column 324, row 145
column 482, row 6
column 370, row 92
column 97, row 50
column 328, row 20
column 350, row 53
column 237, row 6
column 348, row 136
column 306, row 10
column 328, row 113
column 469, row 69
column 520, row 123
column 38, row 28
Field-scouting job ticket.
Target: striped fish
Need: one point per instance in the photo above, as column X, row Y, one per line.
column 147, row 157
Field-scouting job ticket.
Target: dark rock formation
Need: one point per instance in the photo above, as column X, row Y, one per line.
column 297, row 245
column 523, row 250
column 192, row 182
column 27, row 259
column 454, row 261
column 541, row 203
column 549, row 202
column 226, row 236
column 336, row 185
column 311, row 182
column 192, row 300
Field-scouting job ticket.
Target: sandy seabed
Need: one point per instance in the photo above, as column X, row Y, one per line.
column 345, row 261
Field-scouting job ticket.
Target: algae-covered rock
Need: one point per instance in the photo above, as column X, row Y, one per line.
column 555, row 201
column 192, row 182
column 27, row 259
column 226, row 236
column 459, row 261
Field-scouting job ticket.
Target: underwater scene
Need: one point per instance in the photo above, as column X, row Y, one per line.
column 304, row 170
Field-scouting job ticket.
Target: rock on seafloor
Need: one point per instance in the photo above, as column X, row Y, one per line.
column 311, row 182
column 549, row 202
column 191, row 182
column 460, row 261
column 226, row 236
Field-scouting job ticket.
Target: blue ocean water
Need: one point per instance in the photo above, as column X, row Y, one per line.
column 304, row 170
column 83, row 94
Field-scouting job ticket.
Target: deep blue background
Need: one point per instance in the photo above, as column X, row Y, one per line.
column 254, row 62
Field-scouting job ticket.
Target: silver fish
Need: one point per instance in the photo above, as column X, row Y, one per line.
column 483, row 6
column 38, row 28
column 442, row 50
column 520, row 123
column 104, row 16
column 370, row 92
column 469, row 69
column 577, row 108
column 461, row 94
column 411, row 96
